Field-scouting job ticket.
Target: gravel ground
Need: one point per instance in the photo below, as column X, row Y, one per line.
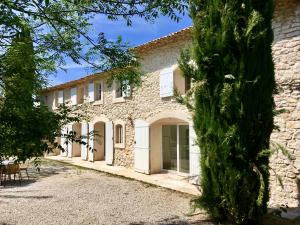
column 63, row 194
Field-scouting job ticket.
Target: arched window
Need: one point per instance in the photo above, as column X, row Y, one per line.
column 119, row 134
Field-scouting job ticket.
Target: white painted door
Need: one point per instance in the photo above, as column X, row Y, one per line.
column 70, row 146
column 109, row 143
column 62, row 142
column 91, row 142
column 141, row 147
column 84, row 133
column 194, row 157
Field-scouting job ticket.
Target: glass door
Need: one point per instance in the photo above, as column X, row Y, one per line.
column 175, row 148
column 184, row 149
column 169, row 146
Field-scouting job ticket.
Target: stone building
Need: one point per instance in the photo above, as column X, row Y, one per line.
column 286, row 55
column 144, row 128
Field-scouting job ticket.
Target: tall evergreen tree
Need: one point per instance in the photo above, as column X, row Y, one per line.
column 24, row 124
column 231, row 64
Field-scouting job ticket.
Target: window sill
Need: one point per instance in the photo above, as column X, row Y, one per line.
column 119, row 100
column 120, row 145
column 98, row 102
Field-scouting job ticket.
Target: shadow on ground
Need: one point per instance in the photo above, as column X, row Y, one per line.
column 46, row 169
column 177, row 221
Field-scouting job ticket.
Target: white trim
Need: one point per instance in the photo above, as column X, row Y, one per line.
column 101, row 118
column 170, row 114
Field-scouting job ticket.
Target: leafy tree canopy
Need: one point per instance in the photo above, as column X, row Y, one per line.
column 35, row 38
column 62, row 28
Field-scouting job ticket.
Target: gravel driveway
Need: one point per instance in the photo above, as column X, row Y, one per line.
column 63, row 194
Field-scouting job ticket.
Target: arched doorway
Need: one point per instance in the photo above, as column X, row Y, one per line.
column 169, row 146
column 166, row 142
column 76, row 147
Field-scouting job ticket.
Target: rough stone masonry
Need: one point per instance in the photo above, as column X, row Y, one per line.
column 286, row 55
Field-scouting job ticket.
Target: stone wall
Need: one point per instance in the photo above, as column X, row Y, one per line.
column 145, row 101
column 286, row 54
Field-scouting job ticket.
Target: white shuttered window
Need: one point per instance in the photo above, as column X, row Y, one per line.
column 74, row 96
column 167, row 82
column 91, row 92
column 60, row 97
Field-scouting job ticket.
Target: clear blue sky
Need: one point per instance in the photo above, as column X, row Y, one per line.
column 140, row 32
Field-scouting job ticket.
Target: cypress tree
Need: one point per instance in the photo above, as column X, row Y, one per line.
column 233, row 73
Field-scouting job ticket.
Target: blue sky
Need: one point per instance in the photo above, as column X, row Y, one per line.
column 140, row 32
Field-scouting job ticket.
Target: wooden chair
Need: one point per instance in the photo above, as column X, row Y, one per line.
column 12, row 169
column 24, row 167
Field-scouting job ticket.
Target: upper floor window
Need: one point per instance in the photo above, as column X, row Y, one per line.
column 67, row 95
column 121, row 90
column 118, row 90
column 60, row 97
column 172, row 79
column 98, row 91
column 80, row 94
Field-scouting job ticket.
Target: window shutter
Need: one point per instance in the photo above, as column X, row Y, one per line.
column 70, row 149
column 126, row 92
column 60, row 97
column 91, row 142
column 109, row 143
column 74, row 96
column 194, row 156
column 91, row 93
column 84, row 133
column 166, row 82
column 141, row 147
column 63, row 143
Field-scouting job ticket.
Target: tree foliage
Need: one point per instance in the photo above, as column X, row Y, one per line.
column 24, row 124
column 35, row 38
column 61, row 28
column 231, row 64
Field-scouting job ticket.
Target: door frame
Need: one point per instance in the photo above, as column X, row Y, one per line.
column 177, row 150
